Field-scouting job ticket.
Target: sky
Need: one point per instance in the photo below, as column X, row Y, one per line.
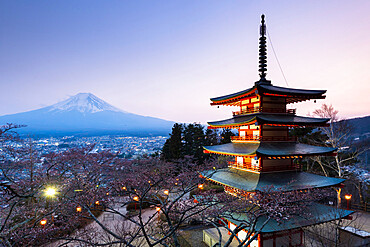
column 167, row 58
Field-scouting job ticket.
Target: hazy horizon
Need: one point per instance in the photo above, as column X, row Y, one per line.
column 166, row 59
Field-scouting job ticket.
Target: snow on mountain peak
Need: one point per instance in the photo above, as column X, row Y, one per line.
column 85, row 103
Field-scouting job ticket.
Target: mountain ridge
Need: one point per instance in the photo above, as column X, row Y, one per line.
column 86, row 114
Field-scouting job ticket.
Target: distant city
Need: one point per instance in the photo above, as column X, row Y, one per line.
column 128, row 147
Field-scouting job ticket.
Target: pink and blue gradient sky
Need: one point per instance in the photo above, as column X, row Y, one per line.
column 167, row 58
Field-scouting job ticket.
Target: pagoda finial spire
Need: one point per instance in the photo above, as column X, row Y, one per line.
column 262, row 50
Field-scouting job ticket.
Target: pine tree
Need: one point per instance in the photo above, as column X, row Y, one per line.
column 194, row 140
column 211, row 137
column 173, row 147
column 226, row 135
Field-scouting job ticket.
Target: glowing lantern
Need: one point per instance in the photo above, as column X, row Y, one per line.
column 348, row 197
column 50, row 192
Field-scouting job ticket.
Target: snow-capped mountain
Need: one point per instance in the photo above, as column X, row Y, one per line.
column 86, row 114
column 85, row 103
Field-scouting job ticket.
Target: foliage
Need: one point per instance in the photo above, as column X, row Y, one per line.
column 187, row 140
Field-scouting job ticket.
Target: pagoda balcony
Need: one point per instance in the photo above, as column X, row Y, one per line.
column 257, row 168
column 244, row 166
column 265, row 138
column 264, row 109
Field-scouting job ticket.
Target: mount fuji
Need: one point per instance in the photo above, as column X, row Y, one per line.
column 85, row 114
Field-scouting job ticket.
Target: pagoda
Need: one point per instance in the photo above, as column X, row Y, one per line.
column 265, row 155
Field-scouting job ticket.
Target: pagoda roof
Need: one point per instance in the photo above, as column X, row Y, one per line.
column 314, row 214
column 263, row 88
column 267, row 118
column 286, row 181
column 268, row 88
column 269, row 149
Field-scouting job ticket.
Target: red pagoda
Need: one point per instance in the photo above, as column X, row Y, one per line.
column 266, row 155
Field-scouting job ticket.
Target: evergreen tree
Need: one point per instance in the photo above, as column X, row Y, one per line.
column 211, row 137
column 173, row 147
column 226, row 135
column 194, row 140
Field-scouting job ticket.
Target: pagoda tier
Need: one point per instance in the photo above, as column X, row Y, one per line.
column 265, row 88
column 269, row 119
column 247, row 181
column 269, row 149
column 318, row 214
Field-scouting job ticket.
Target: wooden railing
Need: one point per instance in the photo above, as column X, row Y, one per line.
column 246, row 138
column 364, row 207
column 257, row 168
column 247, row 111
column 264, row 138
column 247, row 166
column 264, row 109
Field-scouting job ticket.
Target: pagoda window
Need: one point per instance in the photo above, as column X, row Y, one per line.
column 241, row 133
column 255, row 163
column 256, row 133
column 239, row 161
column 244, row 102
column 252, row 126
column 242, row 235
column 254, row 242
column 255, row 99
column 232, row 226
column 244, row 127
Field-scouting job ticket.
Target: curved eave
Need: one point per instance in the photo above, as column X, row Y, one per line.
column 242, row 149
column 269, row 119
column 232, row 122
column 275, row 149
column 280, row 181
column 230, row 98
column 314, row 214
column 290, row 92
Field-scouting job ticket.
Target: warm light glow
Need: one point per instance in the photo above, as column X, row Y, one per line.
column 200, row 186
column 166, row 192
column 97, row 202
column 50, row 192
column 348, row 197
column 136, row 198
column 149, row 181
column 158, row 209
column 124, row 188
column 43, row 222
column 78, row 209
column 107, row 193
column 175, row 183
